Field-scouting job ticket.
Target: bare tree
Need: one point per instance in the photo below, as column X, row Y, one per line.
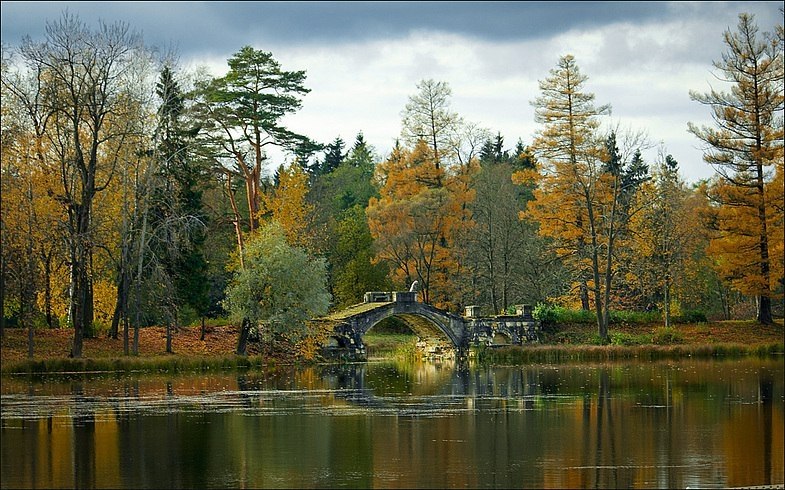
column 428, row 117
column 89, row 92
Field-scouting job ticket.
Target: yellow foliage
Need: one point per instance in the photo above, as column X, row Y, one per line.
column 104, row 300
column 288, row 206
column 419, row 215
column 736, row 242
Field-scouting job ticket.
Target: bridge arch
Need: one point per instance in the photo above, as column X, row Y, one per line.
column 435, row 328
column 426, row 322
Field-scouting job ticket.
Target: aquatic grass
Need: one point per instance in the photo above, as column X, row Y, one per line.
column 511, row 355
column 394, row 345
column 164, row 364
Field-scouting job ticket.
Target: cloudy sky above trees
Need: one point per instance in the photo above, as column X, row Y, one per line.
column 364, row 59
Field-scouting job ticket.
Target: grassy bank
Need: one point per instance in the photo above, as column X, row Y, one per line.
column 583, row 353
column 573, row 342
column 163, row 364
column 390, row 345
column 577, row 342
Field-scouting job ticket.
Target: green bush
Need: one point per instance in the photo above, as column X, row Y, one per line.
column 565, row 315
column 665, row 336
column 621, row 338
column 549, row 315
column 691, row 316
column 545, row 314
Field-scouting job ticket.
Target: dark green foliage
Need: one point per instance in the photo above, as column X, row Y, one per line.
column 333, row 156
column 665, row 336
column 554, row 315
column 178, row 218
column 493, row 151
column 545, row 314
column 353, row 271
column 691, row 316
column 257, row 93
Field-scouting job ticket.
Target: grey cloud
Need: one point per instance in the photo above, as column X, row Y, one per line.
column 222, row 26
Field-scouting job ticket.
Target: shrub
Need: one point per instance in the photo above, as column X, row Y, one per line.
column 621, row 338
column 575, row 316
column 665, row 336
column 617, row 317
column 691, row 316
column 545, row 314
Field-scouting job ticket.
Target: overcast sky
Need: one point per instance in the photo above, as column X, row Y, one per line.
column 364, row 59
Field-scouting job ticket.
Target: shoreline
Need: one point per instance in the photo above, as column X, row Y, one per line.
column 563, row 344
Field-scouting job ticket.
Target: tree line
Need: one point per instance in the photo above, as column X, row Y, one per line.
column 134, row 194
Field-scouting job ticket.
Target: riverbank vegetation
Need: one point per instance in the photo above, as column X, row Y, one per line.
column 138, row 194
column 559, row 343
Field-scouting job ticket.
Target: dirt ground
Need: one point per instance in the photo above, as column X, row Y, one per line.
column 53, row 343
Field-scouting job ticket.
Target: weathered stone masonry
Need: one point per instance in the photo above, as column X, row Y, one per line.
column 439, row 332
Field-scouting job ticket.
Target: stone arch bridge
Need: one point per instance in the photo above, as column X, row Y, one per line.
column 440, row 333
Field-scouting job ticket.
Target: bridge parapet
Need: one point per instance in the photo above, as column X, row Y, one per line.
column 502, row 330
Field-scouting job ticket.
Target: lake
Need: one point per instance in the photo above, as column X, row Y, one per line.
column 383, row 424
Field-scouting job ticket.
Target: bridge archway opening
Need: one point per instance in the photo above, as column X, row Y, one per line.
column 333, row 342
column 501, row 338
column 430, row 339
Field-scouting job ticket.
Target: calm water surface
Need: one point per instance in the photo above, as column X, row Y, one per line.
column 395, row 425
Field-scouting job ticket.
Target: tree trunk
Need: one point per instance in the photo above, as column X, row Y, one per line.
column 2, row 295
column 201, row 335
column 79, row 303
column 125, row 335
column 667, row 301
column 30, row 333
column 242, row 341
column 117, row 315
column 584, row 292
column 81, row 284
column 168, row 337
column 602, row 319
column 48, row 290
column 237, row 220
column 764, row 311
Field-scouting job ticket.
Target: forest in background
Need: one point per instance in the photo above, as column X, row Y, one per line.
column 136, row 194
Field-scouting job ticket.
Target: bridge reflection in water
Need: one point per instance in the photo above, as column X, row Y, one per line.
column 440, row 333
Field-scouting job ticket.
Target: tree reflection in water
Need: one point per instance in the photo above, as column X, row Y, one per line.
column 385, row 424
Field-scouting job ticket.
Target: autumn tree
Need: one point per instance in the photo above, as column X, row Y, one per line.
column 662, row 237
column 583, row 183
column 287, row 204
column 416, row 219
column 88, row 98
column 746, row 148
column 506, row 255
column 19, row 207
